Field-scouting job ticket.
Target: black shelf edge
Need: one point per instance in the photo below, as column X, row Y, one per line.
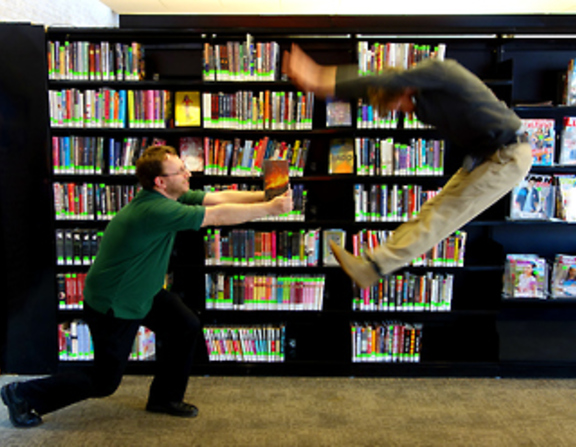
column 537, row 303
column 332, row 269
column 498, row 82
column 555, row 169
column 67, row 268
column 271, row 269
column 213, row 314
column 320, row 369
column 310, row 178
column 352, row 314
column 507, row 221
column 540, row 369
column 95, row 178
column 127, row 131
column 167, row 83
column 483, row 268
column 350, row 132
column 555, row 109
column 64, row 224
column 505, row 24
column 481, row 369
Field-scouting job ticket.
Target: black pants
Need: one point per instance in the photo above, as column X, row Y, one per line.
column 177, row 329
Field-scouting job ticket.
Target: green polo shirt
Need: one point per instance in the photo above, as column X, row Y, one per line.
column 133, row 257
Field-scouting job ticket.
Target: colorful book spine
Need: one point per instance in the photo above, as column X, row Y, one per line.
column 386, row 342
column 264, row 292
column 257, row 343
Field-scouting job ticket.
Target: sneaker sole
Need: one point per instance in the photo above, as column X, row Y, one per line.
column 340, row 254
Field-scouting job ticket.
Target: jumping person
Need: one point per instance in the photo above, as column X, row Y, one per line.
column 444, row 94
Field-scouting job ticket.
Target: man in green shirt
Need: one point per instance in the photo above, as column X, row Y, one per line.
column 496, row 155
column 124, row 290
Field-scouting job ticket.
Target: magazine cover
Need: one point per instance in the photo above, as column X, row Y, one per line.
column 566, row 197
column 564, row 277
column 533, row 198
column 541, row 136
column 568, row 142
column 192, row 153
column 338, row 113
column 526, row 277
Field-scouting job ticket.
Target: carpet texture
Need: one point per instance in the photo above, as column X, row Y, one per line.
column 313, row 412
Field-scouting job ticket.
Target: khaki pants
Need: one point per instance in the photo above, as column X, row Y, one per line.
column 465, row 196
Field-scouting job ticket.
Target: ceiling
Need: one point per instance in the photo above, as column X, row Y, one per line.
column 341, row 7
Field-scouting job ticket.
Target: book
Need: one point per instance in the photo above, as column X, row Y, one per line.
column 542, row 139
column 341, row 158
column 568, row 141
column 338, row 113
column 276, row 178
column 336, row 235
column 187, row 109
column 563, row 284
column 386, row 342
column 533, row 198
column 192, row 153
column 144, row 347
column 566, row 197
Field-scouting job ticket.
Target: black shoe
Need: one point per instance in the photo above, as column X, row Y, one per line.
column 21, row 415
column 181, row 409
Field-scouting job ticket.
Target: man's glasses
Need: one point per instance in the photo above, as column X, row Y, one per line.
column 181, row 171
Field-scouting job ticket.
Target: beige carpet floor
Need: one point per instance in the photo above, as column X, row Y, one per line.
column 313, row 412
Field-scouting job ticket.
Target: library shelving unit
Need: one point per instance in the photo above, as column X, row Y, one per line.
column 27, row 318
column 520, row 57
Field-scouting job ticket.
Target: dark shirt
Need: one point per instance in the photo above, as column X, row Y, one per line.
column 449, row 97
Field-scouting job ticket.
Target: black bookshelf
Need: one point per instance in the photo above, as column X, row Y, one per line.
column 27, row 330
column 520, row 57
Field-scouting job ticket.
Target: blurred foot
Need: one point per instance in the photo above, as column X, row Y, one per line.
column 359, row 269
column 21, row 415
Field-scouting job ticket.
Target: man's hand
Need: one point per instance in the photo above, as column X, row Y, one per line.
column 307, row 75
column 281, row 204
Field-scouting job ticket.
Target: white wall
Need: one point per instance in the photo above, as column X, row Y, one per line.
column 69, row 13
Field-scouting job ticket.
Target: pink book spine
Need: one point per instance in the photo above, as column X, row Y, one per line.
column 56, row 154
column 149, row 118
